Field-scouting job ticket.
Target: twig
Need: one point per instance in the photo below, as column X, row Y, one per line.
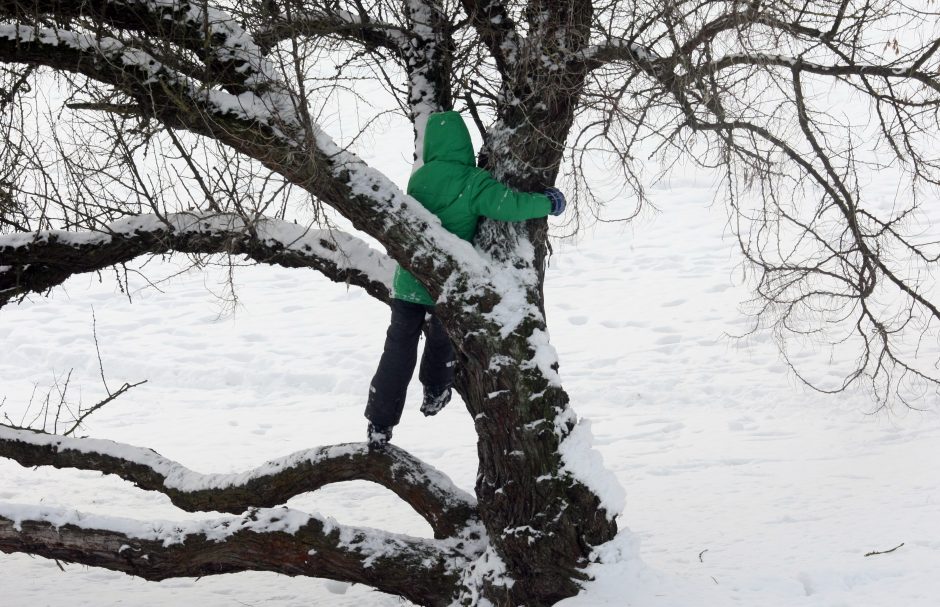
column 475, row 114
column 98, row 405
column 700, row 560
column 63, row 392
column 94, row 333
column 873, row 553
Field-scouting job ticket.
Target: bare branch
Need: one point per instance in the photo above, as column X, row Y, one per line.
column 84, row 414
column 883, row 71
column 231, row 58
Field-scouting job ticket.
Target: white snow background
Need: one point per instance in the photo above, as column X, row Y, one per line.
column 743, row 486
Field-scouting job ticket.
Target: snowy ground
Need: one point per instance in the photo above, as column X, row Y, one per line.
column 744, row 488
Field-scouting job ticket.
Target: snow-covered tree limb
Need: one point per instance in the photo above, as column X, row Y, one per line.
column 446, row 508
column 215, row 37
column 280, row 540
column 429, row 61
column 622, row 51
column 38, row 261
column 496, row 28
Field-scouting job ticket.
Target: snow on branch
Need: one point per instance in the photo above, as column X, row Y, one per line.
column 622, row 51
column 37, row 261
column 174, row 95
column 318, row 21
column 499, row 32
column 430, row 63
column 431, row 493
column 280, row 540
column 213, row 35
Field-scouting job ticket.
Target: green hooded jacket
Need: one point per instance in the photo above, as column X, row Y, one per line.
column 450, row 185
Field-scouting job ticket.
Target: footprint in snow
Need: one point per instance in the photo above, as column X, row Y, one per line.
column 741, row 424
column 601, row 363
column 720, row 288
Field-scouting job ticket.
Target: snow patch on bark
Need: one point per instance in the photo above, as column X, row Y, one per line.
column 270, row 104
column 262, row 520
column 487, row 569
column 545, row 357
column 582, row 461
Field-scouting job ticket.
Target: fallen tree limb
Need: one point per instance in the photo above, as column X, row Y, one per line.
column 876, row 552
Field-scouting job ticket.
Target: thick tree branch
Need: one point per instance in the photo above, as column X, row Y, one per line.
column 231, row 57
column 279, row 540
column 35, row 262
column 446, row 508
column 429, row 64
column 305, row 22
column 498, row 31
column 623, row 51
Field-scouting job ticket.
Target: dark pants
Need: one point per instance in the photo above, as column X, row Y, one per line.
column 388, row 388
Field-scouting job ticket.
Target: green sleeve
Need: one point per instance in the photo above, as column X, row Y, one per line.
column 492, row 199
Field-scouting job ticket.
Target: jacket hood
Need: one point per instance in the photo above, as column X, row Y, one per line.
column 447, row 139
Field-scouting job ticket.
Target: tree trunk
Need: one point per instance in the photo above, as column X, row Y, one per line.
column 542, row 521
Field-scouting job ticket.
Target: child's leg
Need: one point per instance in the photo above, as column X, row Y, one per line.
column 437, row 361
column 390, row 383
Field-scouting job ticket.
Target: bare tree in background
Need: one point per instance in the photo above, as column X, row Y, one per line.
column 196, row 128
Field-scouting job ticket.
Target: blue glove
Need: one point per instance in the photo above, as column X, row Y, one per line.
column 558, row 201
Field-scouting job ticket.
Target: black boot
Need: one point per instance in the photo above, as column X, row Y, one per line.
column 434, row 400
column 378, row 436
